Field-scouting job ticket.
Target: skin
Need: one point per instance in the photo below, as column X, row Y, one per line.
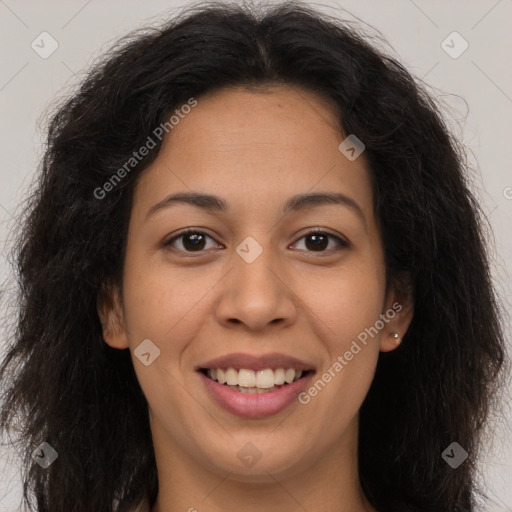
column 254, row 149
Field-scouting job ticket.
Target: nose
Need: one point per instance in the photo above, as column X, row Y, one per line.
column 257, row 294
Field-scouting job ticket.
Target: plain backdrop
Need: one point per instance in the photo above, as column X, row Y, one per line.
column 474, row 85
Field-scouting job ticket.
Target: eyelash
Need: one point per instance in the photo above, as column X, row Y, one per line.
column 343, row 244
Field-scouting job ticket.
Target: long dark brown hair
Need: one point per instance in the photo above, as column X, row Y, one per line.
column 62, row 384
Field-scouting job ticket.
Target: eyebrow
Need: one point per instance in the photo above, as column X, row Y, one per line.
column 211, row 203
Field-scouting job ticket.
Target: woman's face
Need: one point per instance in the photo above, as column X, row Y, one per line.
column 253, row 288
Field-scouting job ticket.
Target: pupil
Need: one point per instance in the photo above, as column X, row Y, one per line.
column 319, row 241
column 197, row 241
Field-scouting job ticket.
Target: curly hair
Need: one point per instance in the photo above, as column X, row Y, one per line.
column 61, row 383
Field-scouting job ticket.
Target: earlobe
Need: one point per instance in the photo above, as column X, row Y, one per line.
column 389, row 341
column 394, row 332
column 111, row 316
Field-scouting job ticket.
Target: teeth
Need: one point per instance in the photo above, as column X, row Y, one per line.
column 221, row 376
column 249, row 381
column 232, row 377
column 265, row 379
column 289, row 375
column 279, row 376
column 252, row 391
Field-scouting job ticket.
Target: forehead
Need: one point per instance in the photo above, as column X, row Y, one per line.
column 254, row 147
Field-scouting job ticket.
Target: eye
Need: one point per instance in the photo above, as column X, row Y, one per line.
column 196, row 241
column 190, row 241
column 318, row 241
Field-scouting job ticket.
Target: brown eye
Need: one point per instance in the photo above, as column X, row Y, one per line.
column 318, row 241
column 190, row 241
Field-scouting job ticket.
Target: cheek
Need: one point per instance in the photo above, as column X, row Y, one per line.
column 345, row 301
column 162, row 302
column 347, row 310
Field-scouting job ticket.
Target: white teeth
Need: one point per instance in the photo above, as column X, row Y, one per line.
column 279, row 377
column 249, row 381
column 221, row 376
column 252, row 391
column 247, row 378
column 232, row 377
column 289, row 375
column 265, row 379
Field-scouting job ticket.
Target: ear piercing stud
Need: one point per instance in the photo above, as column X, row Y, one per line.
column 396, row 338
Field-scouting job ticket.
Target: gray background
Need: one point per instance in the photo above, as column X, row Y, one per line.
column 475, row 89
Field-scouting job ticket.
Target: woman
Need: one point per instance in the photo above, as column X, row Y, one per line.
column 271, row 216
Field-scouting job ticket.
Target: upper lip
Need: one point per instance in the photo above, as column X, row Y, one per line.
column 252, row 362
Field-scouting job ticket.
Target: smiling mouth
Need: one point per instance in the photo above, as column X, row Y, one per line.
column 250, row 381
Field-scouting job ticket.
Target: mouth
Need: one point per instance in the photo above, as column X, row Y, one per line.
column 255, row 386
column 246, row 380
column 254, row 393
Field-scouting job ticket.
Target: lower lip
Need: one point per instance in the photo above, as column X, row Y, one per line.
column 255, row 405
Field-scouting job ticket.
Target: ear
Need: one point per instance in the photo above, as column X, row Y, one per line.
column 110, row 312
column 399, row 309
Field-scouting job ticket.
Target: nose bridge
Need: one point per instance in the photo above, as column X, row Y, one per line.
column 255, row 267
column 256, row 293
